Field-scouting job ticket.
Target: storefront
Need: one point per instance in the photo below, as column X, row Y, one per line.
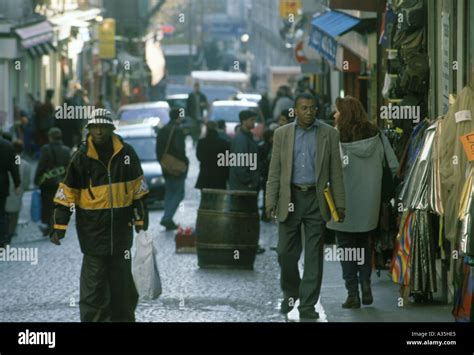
column 347, row 43
column 450, row 49
column 24, row 66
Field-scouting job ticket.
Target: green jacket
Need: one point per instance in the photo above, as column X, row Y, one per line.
column 327, row 167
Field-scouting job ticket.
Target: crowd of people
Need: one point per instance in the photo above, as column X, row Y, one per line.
column 299, row 157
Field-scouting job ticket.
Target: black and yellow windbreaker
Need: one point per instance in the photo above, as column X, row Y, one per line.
column 107, row 200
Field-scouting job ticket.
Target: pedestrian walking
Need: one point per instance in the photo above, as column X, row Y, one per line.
column 285, row 117
column 8, row 167
column 44, row 119
column 171, row 142
column 51, row 170
column 282, row 101
column 246, row 177
column 105, row 186
column 264, row 105
column 211, row 175
column 195, row 106
column 221, row 131
column 365, row 148
column 14, row 200
column 305, row 159
column 304, row 87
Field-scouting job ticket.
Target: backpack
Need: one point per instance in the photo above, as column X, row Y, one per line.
column 415, row 76
column 412, row 42
column 411, row 15
column 53, row 176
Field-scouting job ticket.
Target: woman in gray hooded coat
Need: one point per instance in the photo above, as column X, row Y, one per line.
column 363, row 148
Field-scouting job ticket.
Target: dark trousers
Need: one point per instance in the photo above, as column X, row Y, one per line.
column 196, row 130
column 107, row 290
column 12, row 222
column 354, row 272
column 47, row 204
column 307, row 214
column 3, row 222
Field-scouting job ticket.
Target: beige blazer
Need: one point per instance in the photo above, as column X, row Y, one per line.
column 327, row 165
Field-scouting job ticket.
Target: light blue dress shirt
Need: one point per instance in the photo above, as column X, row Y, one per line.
column 304, row 154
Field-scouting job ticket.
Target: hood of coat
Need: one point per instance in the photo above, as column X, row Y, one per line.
column 364, row 148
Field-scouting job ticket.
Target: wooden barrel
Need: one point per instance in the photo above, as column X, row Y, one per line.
column 227, row 229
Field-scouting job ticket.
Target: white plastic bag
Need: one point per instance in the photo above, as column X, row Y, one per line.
column 145, row 267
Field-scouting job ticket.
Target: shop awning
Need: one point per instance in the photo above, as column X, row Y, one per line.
column 41, row 49
column 325, row 30
column 35, row 35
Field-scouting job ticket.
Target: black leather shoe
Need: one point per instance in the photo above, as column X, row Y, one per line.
column 170, row 226
column 308, row 314
column 352, row 302
column 367, row 297
column 287, row 305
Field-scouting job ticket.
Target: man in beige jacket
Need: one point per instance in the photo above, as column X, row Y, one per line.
column 305, row 160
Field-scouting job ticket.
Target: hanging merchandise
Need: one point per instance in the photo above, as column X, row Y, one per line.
column 423, row 259
column 401, row 263
column 413, row 14
column 463, row 289
column 413, row 265
column 466, row 212
column 413, row 147
column 413, row 194
column 452, row 158
column 436, row 201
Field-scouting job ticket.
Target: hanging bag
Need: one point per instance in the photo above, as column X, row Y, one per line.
column 53, row 176
column 35, row 209
column 388, row 182
column 170, row 164
column 145, row 267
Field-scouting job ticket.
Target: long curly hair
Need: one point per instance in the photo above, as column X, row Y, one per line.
column 353, row 124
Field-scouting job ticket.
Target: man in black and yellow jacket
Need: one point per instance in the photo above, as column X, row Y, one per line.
column 105, row 186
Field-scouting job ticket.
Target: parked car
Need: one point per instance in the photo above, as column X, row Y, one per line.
column 213, row 93
column 151, row 113
column 142, row 137
column 248, row 97
column 229, row 112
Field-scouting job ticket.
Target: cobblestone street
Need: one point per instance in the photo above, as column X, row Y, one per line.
column 49, row 291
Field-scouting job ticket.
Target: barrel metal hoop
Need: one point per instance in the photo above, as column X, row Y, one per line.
column 220, row 213
column 225, row 246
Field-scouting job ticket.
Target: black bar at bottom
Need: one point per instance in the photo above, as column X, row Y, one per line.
column 223, row 337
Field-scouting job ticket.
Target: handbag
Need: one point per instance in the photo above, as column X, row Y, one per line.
column 52, row 177
column 146, row 275
column 388, row 182
column 170, row 164
column 35, row 209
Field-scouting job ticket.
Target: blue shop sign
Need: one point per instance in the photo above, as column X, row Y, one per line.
column 326, row 28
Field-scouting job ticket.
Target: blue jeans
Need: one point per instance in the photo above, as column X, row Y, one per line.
column 174, row 194
column 355, row 272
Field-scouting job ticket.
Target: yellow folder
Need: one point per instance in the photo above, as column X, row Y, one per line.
column 330, row 202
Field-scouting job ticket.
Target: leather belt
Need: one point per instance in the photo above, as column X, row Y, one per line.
column 304, row 187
